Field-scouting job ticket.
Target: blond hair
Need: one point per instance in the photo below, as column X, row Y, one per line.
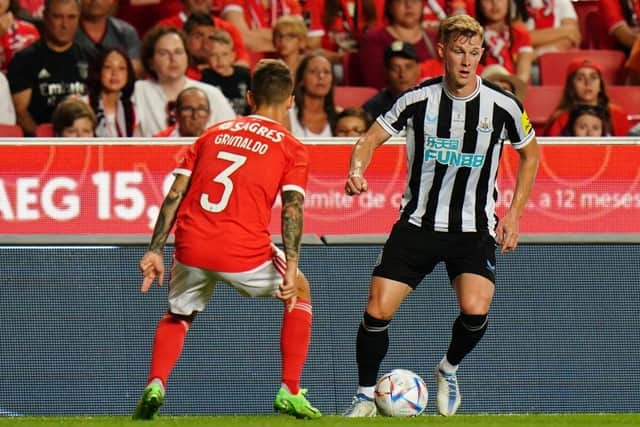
column 459, row 25
column 293, row 23
column 222, row 37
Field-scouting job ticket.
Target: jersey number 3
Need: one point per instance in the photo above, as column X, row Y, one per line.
column 224, row 179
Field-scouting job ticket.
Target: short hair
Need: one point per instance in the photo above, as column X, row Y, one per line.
column 197, row 19
column 68, row 111
column 296, row 25
column 188, row 90
column 149, row 45
column 459, row 25
column 222, row 37
column 48, row 3
column 357, row 112
column 271, row 83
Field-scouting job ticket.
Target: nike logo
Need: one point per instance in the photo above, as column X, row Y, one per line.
column 491, row 267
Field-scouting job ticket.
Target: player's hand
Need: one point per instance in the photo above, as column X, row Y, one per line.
column 288, row 291
column 507, row 232
column 355, row 184
column 152, row 267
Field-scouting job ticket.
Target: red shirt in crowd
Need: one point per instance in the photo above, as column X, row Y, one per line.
column 262, row 13
column 237, row 169
column 20, row 35
column 143, row 14
column 619, row 122
column 500, row 49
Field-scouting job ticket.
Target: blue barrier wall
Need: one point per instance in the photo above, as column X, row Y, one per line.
column 76, row 334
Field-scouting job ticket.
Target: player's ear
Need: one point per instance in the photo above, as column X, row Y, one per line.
column 250, row 101
column 290, row 102
column 440, row 50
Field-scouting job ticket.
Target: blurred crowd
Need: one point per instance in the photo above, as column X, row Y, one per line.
column 167, row 68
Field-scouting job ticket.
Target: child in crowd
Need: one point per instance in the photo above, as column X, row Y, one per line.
column 352, row 122
column 232, row 80
column 73, row 118
column 587, row 121
column 290, row 41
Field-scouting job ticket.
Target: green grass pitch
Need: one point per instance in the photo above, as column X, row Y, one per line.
column 537, row 420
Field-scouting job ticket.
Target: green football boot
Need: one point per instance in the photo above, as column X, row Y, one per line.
column 150, row 402
column 296, row 405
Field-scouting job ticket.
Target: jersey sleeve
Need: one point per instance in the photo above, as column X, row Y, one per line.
column 611, row 14
column 297, row 170
column 518, row 127
column 395, row 119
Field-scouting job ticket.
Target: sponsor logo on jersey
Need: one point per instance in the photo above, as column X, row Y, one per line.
column 447, row 152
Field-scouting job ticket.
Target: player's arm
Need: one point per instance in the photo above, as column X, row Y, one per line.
column 508, row 229
column 361, row 157
column 151, row 264
column 292, row 221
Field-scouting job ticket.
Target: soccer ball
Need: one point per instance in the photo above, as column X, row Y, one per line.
column 401, row 393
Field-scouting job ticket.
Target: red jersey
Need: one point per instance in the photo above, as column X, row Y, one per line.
column 237, row 169
column 262, row 13
column 613, row 16
column 242, row 54
column 143, row 14
column 620, row 124
column 20, row 35
column 500, row 49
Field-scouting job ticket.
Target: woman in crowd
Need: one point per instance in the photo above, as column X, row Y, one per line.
column 585, row 85
column 505, row 43
column 314, row 113
column 110, row 85
column 164, row 57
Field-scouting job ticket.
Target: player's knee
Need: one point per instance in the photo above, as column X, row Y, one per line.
column 372, row 324
column 474, row 322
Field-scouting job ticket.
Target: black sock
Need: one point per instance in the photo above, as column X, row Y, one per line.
column 467, row 331
column 371, row 347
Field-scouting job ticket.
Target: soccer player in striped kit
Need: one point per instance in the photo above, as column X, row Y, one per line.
column 456, row 126
column 221, row 203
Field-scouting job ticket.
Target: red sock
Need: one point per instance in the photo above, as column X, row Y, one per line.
column 294, row 343
column 167, row 346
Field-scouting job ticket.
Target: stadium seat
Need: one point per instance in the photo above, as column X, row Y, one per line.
column 628, row 97
column 553, row 65
column 11, row 131
column 44, row 130
column 540, row 103
column 352, row 96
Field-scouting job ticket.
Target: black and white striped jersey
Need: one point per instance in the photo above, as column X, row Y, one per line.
column 453, row 152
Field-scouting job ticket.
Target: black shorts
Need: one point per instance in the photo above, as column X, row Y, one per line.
column 411, row 253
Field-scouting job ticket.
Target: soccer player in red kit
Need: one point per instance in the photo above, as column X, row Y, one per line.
column 222, row 196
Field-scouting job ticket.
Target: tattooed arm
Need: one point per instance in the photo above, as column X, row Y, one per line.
column 292, row 219
column 151, row 264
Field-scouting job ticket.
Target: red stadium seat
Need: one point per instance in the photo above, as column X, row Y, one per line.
column 11, row 131
column 553, row 65
column 628, row 97
column 540, row 103
column 44, row 130
column 352, row 96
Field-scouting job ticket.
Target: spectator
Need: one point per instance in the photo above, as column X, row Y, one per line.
column 164, row 58
column 587, row 121
column 552, row 24
column 232, row 80
column 405, row 24
column 290, row 41
column 199, row 27
column 99, row 30
column 314, row 113
column 401, row 65
column 621, row 20
column 505, row 43
column 256, row 18
column 73, row 118
column 192, row 111
column 32, row 8
column 47, row 71
column 7, row 112
column 15, row 34
column 110, row 86
column 352, row 122
column 144, row 14
column 499, row 75
column 585, row 85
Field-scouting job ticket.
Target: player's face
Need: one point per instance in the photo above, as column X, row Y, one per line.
column 193, row 114
column 199, row 43
column 169, row 58
column 200, row 6
column 461, row 56
column 402, row 73
column 588, row 125
column 494, row 10
column 61, row 22
column 317, row 77
column 114, row 73
column 81, row 128
column 221, row 59
column 350, row 126
column 586, row 83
